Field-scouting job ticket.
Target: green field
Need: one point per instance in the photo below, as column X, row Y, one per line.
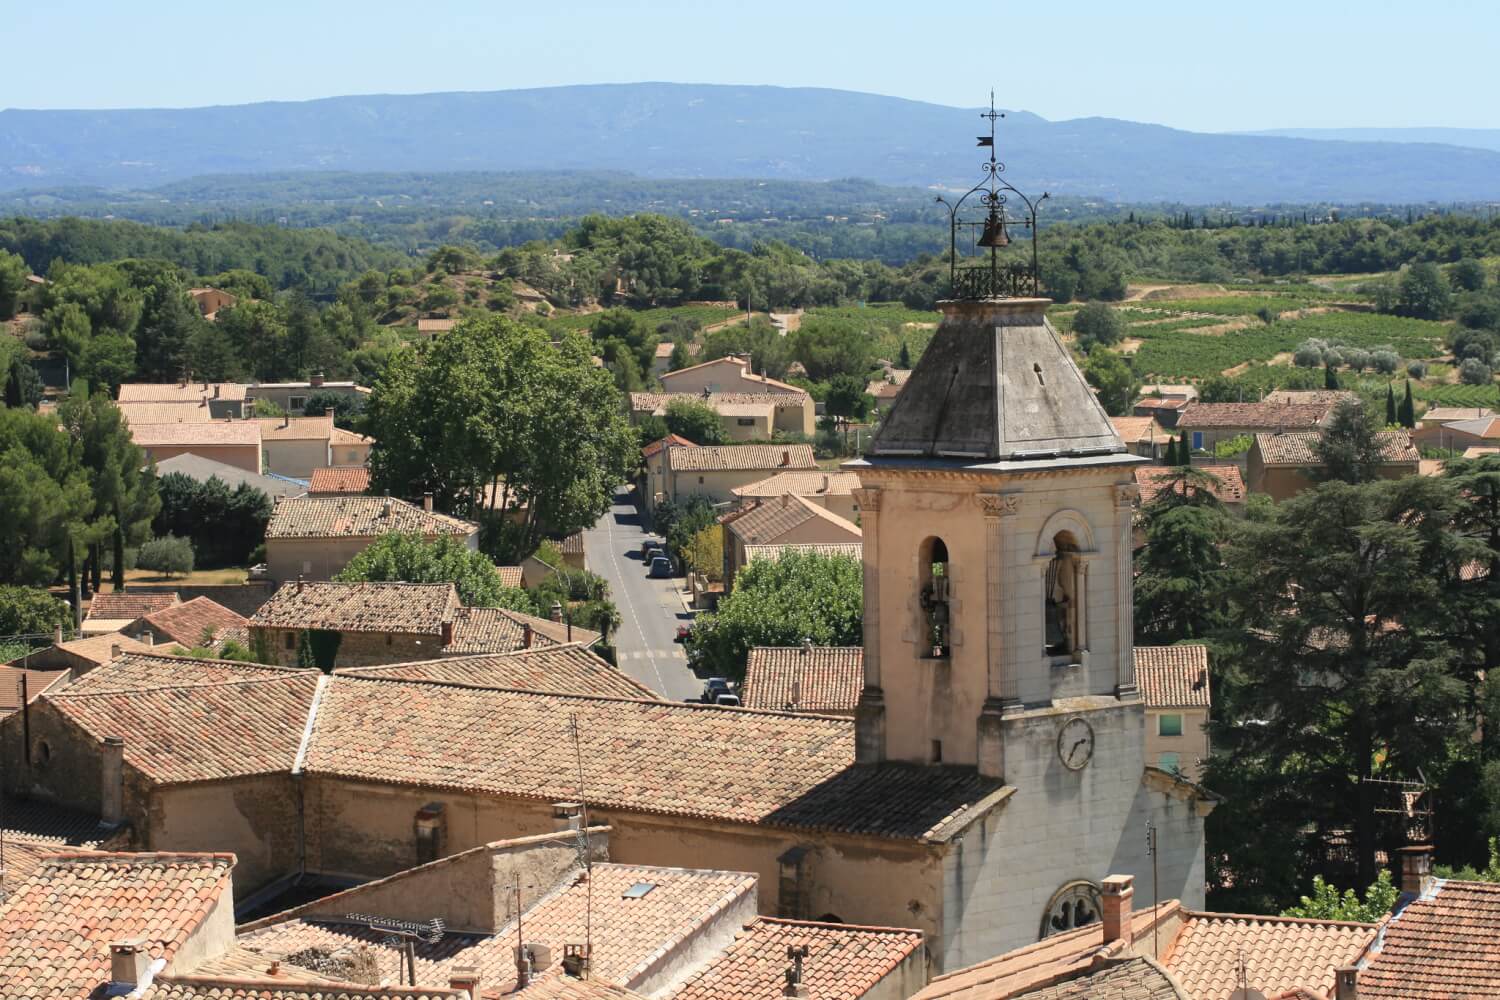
column 704, row 315
column 1458, row 395
column 889, row 324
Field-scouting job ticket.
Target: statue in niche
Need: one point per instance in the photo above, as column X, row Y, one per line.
column 1061, row 600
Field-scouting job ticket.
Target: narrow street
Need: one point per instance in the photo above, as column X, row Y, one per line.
column 650, row 610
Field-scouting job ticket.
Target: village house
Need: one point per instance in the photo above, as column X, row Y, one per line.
column 210, row 300
column 1143, row 436
column 295, row 446
column 346, row 448
column 785, row 520
column 758, row 553
column 823, row 680
column 339, row 480
column 661, row 360
column 67, row 657
column 432, row 326
column 1458, row 435
column 222, row 399
column 730, row 374
column 1206, row 424
column 1228, row 486
column 651, row 476
column 315, row 537
column 191, row 623
column 1283, row 465
column 743, row 416
column 885, row 389
column 232, row 442
column 22, row 683
column 833, row 491
column 113, row 611
column 292, row 397
column 1164, row 411
column 713, row 471
column 200, row 469
column 1174, row 685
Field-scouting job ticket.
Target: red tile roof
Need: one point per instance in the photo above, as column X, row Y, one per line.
column 129, row 605
column 844, row 961
column 1279, row 953
column 1133, row 430
column 36, row 681
column 840, row 484
column 175, row 392
column 358, row 517
column 1253, row 416
column 793, row 678
column 769, row 520
column 500, row 630
column 1444, row 945
column 554, row 669
column 97, row 648
column 266, row 988
column 1132, row 979
column 217, row 433
column 407, row 608
column 1173, row 676
column 1152, row 480
column 56, row 928
column 186, row 623
column 675, row 440
column 340, row 479
column 296, row 428
column 1297, row 448
column 510, row 576
column 742, row 457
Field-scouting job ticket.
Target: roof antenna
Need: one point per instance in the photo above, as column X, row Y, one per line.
column 1155, row 895
column 588, row 854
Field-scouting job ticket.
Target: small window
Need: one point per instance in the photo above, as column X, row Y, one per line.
column 1169, row 725
column 296, row 402
column 1170, row 762
column 745, row 421
column 306, row 567
column 291, row 640
column 1197, row 440
column 700, row 480
column 638, row 890
column 43, row 751
column 937, row 751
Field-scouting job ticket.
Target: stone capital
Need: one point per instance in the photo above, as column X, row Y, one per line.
column 999, row 504
column 1126, row 494
column 867, row 498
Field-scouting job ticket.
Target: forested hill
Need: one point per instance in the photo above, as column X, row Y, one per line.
column 689, row 130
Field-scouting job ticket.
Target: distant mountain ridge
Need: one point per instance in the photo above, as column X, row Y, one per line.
column 712, row 131
column 1473, row 138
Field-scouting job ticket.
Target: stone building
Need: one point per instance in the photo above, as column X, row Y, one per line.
column 1174, row 684
column 315, row 537
column 677, row 474
column 1283, row 465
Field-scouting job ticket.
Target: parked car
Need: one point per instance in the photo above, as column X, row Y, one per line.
column 660, row 567
column 683, row 631
column 732, row 700
column 717, row 687
column 651, row 547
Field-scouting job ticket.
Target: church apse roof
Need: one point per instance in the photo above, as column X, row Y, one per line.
column 996, row 383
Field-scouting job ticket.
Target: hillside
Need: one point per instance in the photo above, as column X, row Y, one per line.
column 687, row 130
column 1474, row 138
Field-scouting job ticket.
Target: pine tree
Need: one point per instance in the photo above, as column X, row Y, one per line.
column 1390, row 405
column 1330, row 380
column 1408, row 413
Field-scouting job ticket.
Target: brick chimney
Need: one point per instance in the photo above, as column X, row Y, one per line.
column 447, row 633
column 527, row 635
column 300, row 581
column 556, row 612
column 112, row 780
column 128, row 962
column 317, row 380
column 114, row 651
column 1416, row 868
column 465, row 979
column 1117, row 891
column 148, row 638
column 1346, row 982
column 427, row 502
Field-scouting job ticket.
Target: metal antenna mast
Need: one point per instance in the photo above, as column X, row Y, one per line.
column 583, row 833
column 1151, row 850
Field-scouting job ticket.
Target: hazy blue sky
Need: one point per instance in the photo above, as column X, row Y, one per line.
column 1204, row 64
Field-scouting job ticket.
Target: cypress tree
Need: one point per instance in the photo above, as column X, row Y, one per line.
column 1184, row 453
column 1408, row 414
column 1390, row 405
column 1330, row 380
column 904, row 360
column 1171, row 458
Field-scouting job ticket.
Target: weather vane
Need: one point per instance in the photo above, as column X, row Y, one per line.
column 991, row 278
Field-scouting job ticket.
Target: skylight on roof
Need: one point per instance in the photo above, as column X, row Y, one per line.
column 638, row 890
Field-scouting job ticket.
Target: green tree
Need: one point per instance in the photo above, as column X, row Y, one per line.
column 257, row 333
column 13, row 274
column 44, row 498
column 780, row 603
column 1467, row 275
column 828, row 346
column 1171, row 456
column 1330, row 379
column 23, row 386
column 168, row 555
column 1179, row 571
column 1107, row 372
column 903, row 360
column 704, row 553
column 412, row 559
column 1408, row 414
column 698, row 422
column 1349, row 448
column 1326, row 904
column 29, row 611
column 1390, row 405
column 169, row 318
column 224, row 525
column 846, row 401
column 1097, row 324
column 1423, row 292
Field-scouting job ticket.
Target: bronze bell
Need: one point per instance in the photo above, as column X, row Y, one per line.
column 994, row 232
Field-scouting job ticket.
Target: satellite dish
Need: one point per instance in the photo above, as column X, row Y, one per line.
column 1247, row 993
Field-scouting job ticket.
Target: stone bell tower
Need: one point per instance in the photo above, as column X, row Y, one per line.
column 996, row 503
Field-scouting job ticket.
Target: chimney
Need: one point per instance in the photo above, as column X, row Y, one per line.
column 576, row 960
column 556, row 613
column 300, row 582
column 317, row 380
column 526, row 635
column 112, row 780
column 1346, row 982
column 386, row 508
column 128, row 962
column 447, row 633
column 427, row 502
column 114, row 651
column 465, row 979
column 1117, row 891
column 57, row 636
column 523, row 967
column 1416, row 868
column 566, row 816
column 148, row 638
column 216, row 391
column 786, row 458
column 205, row 385
column 826, row 483
column 786, row 500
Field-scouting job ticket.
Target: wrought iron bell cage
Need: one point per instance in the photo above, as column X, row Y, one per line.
column 988, row 275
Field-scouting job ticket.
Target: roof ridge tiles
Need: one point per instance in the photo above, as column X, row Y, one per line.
column 1277, row 919
column 869, row 928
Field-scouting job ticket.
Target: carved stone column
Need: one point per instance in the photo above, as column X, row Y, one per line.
column 1125, row 497
column 1000, row 680
column 869, row 716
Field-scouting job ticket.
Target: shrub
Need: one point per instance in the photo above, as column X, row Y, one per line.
column 1309, row 354
column 1230, row 447
column 413, row 559
column 1474, row 372
column 1385, row 362
column 29, row 611
column 167, row 555
column 1097, row 323
column 1417, row 369
column 1357, row 359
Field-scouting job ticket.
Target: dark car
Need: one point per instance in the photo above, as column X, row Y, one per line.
column 715, row 688
column 660, row 567
column 649, row 548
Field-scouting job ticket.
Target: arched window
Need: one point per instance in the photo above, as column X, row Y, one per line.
column 1076, row 904
column 936, row 579
column 1063, row 596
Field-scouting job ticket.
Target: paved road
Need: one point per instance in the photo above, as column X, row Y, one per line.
column 650, row 610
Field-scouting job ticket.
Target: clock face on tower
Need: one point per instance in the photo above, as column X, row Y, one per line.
column 1075, row 743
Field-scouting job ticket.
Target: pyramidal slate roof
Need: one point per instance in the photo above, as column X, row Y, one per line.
column 995, row 384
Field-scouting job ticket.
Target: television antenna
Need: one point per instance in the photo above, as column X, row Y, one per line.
column 1151, row 851
column 403, row 935
column 583, row 843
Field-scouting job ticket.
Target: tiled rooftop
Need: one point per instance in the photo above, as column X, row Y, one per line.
column 56, row 928
column 129, row 605
column 791, row 678
column 1484, row 427
column 500, row 630
column 1299, row 448
column 1152, row 480
column 216, row 988
column 340, row 435
column 1133, row 430
column 1173, row 676
column 408, row 608
column 353, row 479
column 1317, row 397
column 1444, row 945
column 1253, row 416
column 1448, row 414
column 770, row 519
column 844, row 961
column 745, row 371
column 742, row 457
column 358, row 517
column 724, row 403
column 296, row 428
column 244, row 433
column 165, row 413
column 852, row 550
column 510, row 576
column 186, row 623
column 1279, row 953
column 675, row 440
column 807, row 484
column 12, row 680
column 1133, row 979
column 554, row 669
column 175, row 392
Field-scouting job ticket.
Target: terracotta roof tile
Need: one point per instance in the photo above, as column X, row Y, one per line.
column 724, row 403
column 97, row 649
column 838, row 484
column 296, row 428
column 56, row 928
column 408, row 608
column 35, row 821
column 771, row 519
column 1134, row 979
column 510, row 576
column 559, row 986
column 341, row 435
column 1298, row 448
column 129, row 605
column 500, row 630
column 340, row 479
column 36, row 681
column 1134, row 430
column 187, row 622
column 1444, row 945
column 1152, row 480
column 555, row 669
column 844, row 961
column 265, row 988
column 165, row 413
column 1279, row 953
column 238, row 433
column 770, row 384
column 755, row 553
column 1316, row 397
column 1173, row 676
column 791, row 678
column 1253, row 416
column 675, row 440
column 742, row 457
column 1448, row 414
column 173, row 392
column 358, row 517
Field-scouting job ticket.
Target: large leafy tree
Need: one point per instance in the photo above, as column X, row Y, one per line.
column 29, row 611
column 91, row 315
column 492, row 417
column 1117, row 385
column 412, row 559
column 829, row 346
column 1179, row 571
column 698, row 422
column 1338, row 670
column 224, row 525
column 1349, row 447
column 169, row 318
column 780, row 603
column 44, row 498
column 13, row 272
